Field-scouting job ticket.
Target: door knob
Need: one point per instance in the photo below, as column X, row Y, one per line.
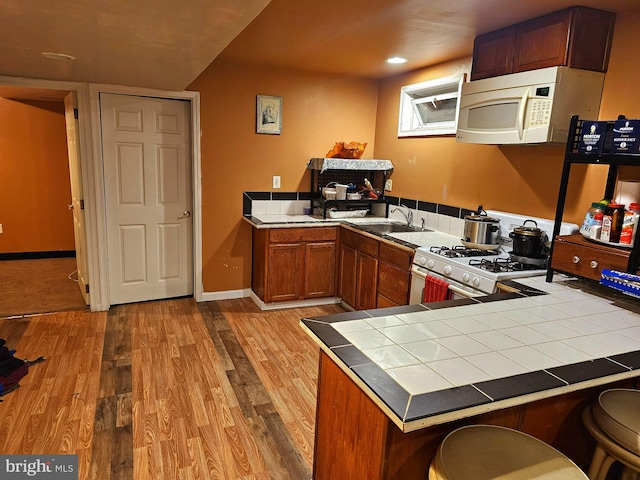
column 185, row 214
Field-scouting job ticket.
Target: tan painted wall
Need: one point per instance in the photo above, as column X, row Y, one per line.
column 34, row 169
column 519, row 179
column 318, row 110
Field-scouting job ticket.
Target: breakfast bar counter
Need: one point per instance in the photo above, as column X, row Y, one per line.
column 393, row 382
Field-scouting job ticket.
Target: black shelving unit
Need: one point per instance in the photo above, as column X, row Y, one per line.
column 572, row 156
column 375, row 171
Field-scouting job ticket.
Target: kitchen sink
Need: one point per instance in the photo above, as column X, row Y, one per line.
column 392, row 228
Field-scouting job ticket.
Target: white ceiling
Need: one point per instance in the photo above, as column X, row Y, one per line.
column 166, row 44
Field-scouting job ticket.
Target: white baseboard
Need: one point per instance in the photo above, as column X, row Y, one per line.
column 225, row 295
column 298, row 303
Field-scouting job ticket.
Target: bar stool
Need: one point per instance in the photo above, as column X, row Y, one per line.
column 614, row 422
column 478, row 452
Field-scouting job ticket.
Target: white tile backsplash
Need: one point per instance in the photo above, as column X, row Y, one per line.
column 259, row 207
column 457, row 227
column 273, row 208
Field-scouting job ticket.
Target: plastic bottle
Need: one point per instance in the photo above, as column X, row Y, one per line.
column 612, row 223
column 597, row 209
column 630, row 224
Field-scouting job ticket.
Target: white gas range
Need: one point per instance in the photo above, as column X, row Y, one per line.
column 472, row 272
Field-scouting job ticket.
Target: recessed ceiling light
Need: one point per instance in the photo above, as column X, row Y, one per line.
column 396, row 60
column 57, row 56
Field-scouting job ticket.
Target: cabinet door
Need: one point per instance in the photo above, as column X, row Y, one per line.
column 394, row 283
column 366, row 282
column 493, row 54
column 285, row 272
column 542, row 42
column 320, row 262
column 348, row 270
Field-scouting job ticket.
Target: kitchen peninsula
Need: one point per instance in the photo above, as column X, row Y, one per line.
column 393, row 382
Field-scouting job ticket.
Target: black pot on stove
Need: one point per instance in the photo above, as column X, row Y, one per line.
column 529, row 241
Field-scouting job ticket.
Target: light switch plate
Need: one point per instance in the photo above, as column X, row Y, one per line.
column 276, row 181
column 388, row 184
column 0, row 228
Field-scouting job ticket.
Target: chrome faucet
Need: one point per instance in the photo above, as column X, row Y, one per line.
column 408, row 217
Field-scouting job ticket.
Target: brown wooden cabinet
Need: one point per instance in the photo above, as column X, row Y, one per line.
column 577, row 37
column 294, row 263
column 394, row 275
column 576, row 255
column 377, row 448
column 358, row 270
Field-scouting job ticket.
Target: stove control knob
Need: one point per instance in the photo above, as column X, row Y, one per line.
column 476, row 282
column 466, row 277
column 422, row 261
column 575, row 259
column 594, row 264
column 447, row 270
column 431, row 263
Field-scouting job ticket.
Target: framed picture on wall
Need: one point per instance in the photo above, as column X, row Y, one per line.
column 269, row 114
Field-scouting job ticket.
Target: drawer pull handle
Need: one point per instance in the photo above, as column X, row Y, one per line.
column 575, row 259
column 594, row 264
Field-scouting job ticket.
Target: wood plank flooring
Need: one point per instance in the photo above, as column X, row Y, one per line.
column 167, row 390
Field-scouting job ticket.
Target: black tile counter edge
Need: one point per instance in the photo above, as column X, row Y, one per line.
column 518, row 385
column 386, row 388
column 342, row 317
column 630, row 359
column 444, row 401
column 326, row 333
column 589, row 370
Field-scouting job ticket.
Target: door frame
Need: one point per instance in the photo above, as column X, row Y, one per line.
column 90, row 141
column 94, row 91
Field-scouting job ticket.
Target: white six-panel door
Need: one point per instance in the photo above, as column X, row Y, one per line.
column 148, row 196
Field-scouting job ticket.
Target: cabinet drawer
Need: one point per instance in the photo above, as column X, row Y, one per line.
column 574, row 255
column 396, row 256
column 307, row 234
column 361, row 243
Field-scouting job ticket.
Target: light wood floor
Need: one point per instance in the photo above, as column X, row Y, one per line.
column 167, row 390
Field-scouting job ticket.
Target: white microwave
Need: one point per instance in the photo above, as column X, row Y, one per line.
column 527, row 107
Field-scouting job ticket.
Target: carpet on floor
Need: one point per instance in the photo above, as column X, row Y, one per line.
column 39, row 286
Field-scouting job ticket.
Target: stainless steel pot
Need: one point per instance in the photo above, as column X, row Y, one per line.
column 529, row 241
column 481, row 229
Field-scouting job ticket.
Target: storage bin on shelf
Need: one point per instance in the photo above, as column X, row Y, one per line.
column 625, row 282
column 345, row 171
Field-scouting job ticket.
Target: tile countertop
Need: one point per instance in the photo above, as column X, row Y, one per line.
column 434, row 363
column 409, row 239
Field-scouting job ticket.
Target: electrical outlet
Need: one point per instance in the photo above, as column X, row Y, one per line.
column 276, row 181
column 388, row 184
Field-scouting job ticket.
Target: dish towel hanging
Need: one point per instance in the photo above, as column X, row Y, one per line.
column 435, row 290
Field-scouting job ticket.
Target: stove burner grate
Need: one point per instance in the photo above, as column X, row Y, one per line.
column 499, row 265
column 458, row 251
